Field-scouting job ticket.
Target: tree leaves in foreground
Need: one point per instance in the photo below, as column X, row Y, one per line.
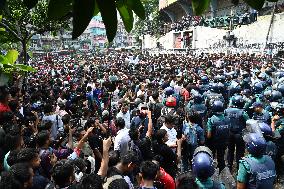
column 83, row 10
column 8, row 66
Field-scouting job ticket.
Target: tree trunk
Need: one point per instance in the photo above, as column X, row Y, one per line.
column 25, row 57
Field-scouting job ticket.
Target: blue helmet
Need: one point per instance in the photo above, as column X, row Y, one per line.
column 217, row 87
column 197, row 99
column 220, row 78
column 202, row 163
column 257, row 88
column 169, row 91
column 276, row 96
column 265, row 129
column 238, row 101
column 255, row 144
column 217, row 107
column 204, row 79
column 235, row 90
column 280, row 88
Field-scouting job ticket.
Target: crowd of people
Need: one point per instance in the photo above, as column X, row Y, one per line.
column 217, row 22
column 164, row 121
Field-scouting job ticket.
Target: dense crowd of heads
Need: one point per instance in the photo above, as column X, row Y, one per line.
column 119, row 120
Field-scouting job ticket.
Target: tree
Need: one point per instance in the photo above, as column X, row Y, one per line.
column 21, row 22
column 152, row 24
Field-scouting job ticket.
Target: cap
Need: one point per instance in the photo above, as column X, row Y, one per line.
column 257, row 104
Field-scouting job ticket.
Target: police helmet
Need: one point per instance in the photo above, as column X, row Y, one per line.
column 169, row 91
column 235, row 90
column 246, row 92
column 197, row 99
column 219, row 78
column 257, row 88
column 255, row 144
column 280, row 88
column 276, row 96
column 238, row 101
column 218, row 107
column 262, row 76
column 202, row 163
column 204, row 79
column 265, row 129
column 217, row 87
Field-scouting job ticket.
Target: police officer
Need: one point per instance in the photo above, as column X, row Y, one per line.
column 203, row 84
column 203, row 169
column 199, row 106
column 238, row 118
column 277, row 125
column 214, row 94
column 218, row 127
column 256, row 170
column 260, row 114
column 271, row 148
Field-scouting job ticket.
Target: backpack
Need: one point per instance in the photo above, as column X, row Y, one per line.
column 191, row 134
column 221, row 128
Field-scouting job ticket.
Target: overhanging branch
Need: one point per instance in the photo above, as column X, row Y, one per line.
column 10, row 30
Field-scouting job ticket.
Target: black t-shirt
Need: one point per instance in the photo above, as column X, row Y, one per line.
column 168, row 161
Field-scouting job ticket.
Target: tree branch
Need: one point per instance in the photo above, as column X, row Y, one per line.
column 10, row 30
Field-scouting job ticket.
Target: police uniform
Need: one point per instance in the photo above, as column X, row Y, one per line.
column 209, row 183
column 262, row 117
column 279, row 129
column 257, row 172
column 219, row 126
column 238, row 118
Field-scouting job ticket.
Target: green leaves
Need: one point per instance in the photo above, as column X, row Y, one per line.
column 199, row 6
column 25, row 68
column 30, row 3
column 83, row 11
column 126, row 15
column 59, row 8
column 8, row 66
column 256, row 4
column 137, row 7
column 109, row 16
column 272, row 0
column 12, row 56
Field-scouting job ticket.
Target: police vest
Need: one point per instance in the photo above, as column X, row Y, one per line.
column 203, row 88
column 260, row 117
column 261, row 175
column 200, row 108
column 212, row 97
column 220, row 129
column 237, row 121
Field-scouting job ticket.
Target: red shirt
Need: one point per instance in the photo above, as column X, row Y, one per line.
column 167, row 180
column 4, row 108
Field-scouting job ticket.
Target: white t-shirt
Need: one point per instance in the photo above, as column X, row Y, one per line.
column 172, row 135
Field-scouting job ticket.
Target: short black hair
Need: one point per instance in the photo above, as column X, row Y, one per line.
column 61, row 172
column 118, row 183
column 42, row 137
column 160, row 135
column 12, row 141
column 120, row 123
column 26, row 155
column 170, row 119
column 66, row 119
column 113, row 158
column 186, row 181
column 91, row 181
column 193, row 116
column 12, row 157
column 16, row 177
column 48, row 108
column 149, row 170
column 130, row 157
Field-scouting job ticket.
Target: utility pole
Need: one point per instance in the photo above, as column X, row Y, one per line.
column 270, row 25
